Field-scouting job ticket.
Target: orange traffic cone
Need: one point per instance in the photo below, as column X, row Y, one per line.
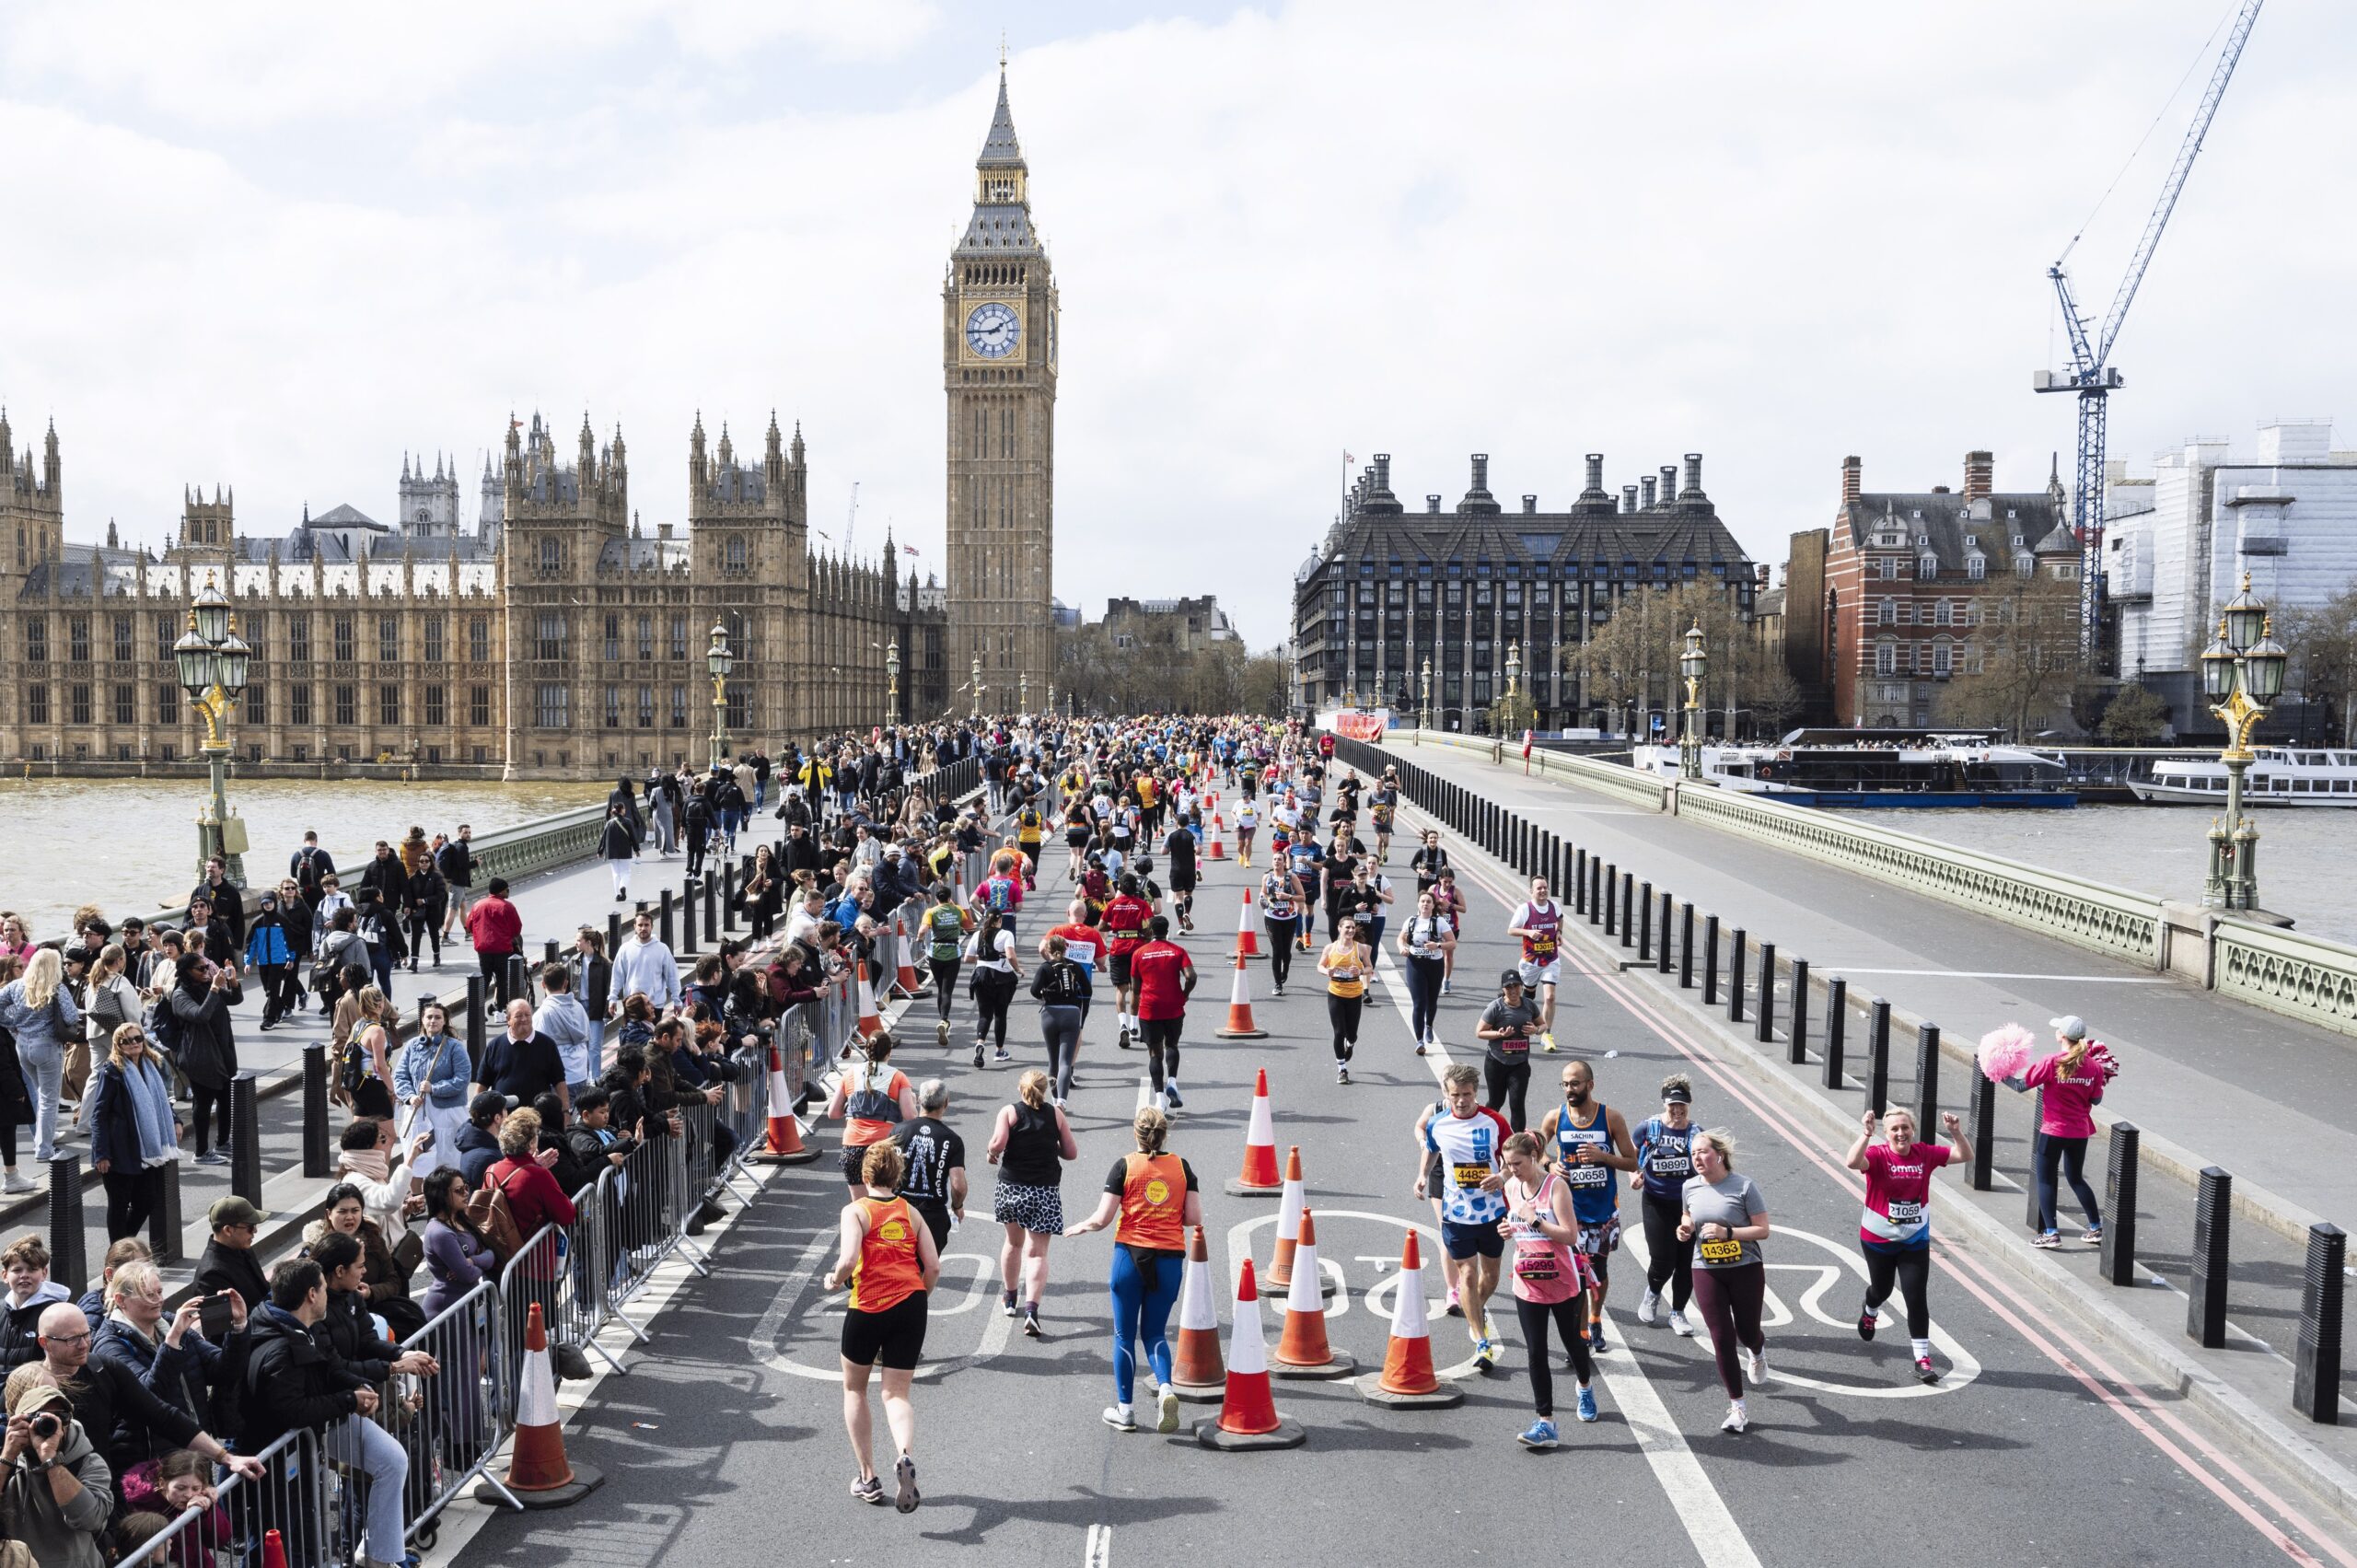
column 1196, row 1372
column 1247, row 1416
column 537, row 1474
column 785, row 1144
column 1239, row 1024
column 1259, row 1175
column 274, row 1551
column 1215, row 849
column 1301, row 1350
column 1247, row 940
column 871, row 1022
column 1407, row 1379
column 907, row 981
column 1289, row 1208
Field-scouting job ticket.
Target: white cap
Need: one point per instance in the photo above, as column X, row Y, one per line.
column 2070, row 1025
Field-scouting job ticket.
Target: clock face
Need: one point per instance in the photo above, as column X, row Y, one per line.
column 992, row 331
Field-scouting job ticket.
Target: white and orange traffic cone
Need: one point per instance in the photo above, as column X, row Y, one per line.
column 783, row 1146
column 538, row 1474
column 1407, row 1380
column 1289, row 1208
column 906, row 981
column 1239, row 1025
column 273, row 1550
column 1215, row 849
column 871, row 1022
column 1247, row 940
column 1259, row 1178
column 1301, row 1350
column 1197, row 1374
column 1248, row 1418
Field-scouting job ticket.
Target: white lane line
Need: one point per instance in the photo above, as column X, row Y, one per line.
column 1099, row 1553
column 1708, row 1522
column 2000, row 974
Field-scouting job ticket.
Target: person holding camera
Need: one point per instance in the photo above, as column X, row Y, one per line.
column 110, row 1401
column 59, row 1490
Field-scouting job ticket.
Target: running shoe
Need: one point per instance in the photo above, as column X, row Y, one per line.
column 868, row 1490
column 1031, row 1324
column 1006, row 1302
column 213, row 1156
column 2043, row 1238
column 1003, row 1055
column 1595, row 1333
column 1587, row 1404
column 1866, row 1323
column 1123, row 1042
column 1547, row 1038
column 1755, row 1366
column 1540, row 1435
column 1341, row 1072
column 1737, row 1417
column 1165, row 1404
column 1444, row 987
column 1121, row 1418
column 1280, row 990
column 1171, row 1094
column 2091, row 1236
column 905, row 1473
column 1455, row 1308
column 1420, row 1048
column 1649, row 1308
column 1924, row 1371
column 977, row 1053
column 1485, row 1355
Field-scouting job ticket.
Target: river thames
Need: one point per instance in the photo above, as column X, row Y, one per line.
column 129, row 845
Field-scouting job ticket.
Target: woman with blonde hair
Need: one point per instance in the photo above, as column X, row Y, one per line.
column 891, row 1264
column 369, row 1075
column 1725, row 1217
column 134, row 1134
column 1154, row 1195
column 39, row 1012
column 1029, row 1142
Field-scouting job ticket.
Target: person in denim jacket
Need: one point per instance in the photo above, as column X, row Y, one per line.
column 430, row 1085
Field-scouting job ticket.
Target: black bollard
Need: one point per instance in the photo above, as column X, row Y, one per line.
column 1628, row 906
column 1710, row 961
column 1612, row 898
column 1797, row 1052
column 1579, row 880
column 550, row 951
column 475, row 1000
column 1645, row 923
column 163, row 1220
column 1685, row 947
column 1984, row 1132
column 1736, row 944
column 316, row 1163
column 2205, row 1292
column 68, row 1256
column 1599, row 891
column 1837, row 1028
column 519, row 978
column 2316, row 1352
column 688, row 918
column 1666, row 903
column 613, row 932
column 1927, row 1080
column 1765, row 1030
column 711, row 909
column 1879, row 1057
column 728, row 896
column 245, row 1140
column 2034, row 1219
column 664, row 922
column 2119, row 1206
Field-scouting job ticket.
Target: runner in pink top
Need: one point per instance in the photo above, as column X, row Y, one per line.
column 1895, row 1232
column 2074, row 1080
column 1547, row 1283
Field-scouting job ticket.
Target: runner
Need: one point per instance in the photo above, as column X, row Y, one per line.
column 945, row 926
column 933, row 1159
column 1539, row 921
column 996, row 973
column 1665, row 1160
column 890, row 1263
column 1154, row 1195
column 1248, row 823
column 1725, row 1217
column 1896, row 1230
column 1030, row 826
column 1547, row 1276
column 1180, row 848
column 1504, row 1032
column 1379, row 813
column 1126, row 915
column 1165, row 977
column 1078, row 834
column 1428, row 861
column 1450, row 899
column 1029, row 1142
column 1425, row 943
column 1280, row 917
column 1061, row 987
column 1591, row 1143
column 872, row 1097
column 1466, row 1137
column 1345, row 964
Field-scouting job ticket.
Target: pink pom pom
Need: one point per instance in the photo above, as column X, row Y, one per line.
column 2004, row 1052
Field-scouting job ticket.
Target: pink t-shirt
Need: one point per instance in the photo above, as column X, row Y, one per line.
column 1544, row 1269
column 2071, row 1095
column 1899, row 1193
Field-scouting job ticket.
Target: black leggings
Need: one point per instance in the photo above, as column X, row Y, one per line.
column 1162, row 1049
column 944, row 984
column 1668, row 1261
column 1730, row 1302
column 1911, row 1267
column 131, row 1198
column 2071, row 1155
column 1343, row 1012
column 210, row 1103
column 1571, row 1321
column 1423, row 995
column 1508, row 1081
column 1283, row 933
column 993, row 989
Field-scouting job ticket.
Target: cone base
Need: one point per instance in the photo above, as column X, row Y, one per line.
column 1280, row 1287
column 1288, row 1435
column 1239, row 1034
column 807, row 1156
column 1447, row 1397
column 1340, row 1366
column 586, row 1478
column 1234, row 1188
column 1201, row 1393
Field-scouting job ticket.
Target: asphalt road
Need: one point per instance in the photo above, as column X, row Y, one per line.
column 725, row 1442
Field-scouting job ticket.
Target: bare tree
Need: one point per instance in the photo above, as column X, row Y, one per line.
column 2022, row 659
column 2324, row 641
column 2136, row 716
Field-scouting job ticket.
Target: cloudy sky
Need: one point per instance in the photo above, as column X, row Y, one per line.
column 274, row 253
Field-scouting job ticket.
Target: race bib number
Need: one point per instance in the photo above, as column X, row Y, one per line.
column 1906, row 1213
column 1542, row 947
column 1470, row 1175
column 1587, row 1176
column 1721, row 1251
column 1536, row 1264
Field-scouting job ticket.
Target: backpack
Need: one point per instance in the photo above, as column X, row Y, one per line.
column 163, row 1027
column 489, row 1209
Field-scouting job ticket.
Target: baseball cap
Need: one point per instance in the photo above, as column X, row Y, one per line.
column 1678, row 1094
column 2070, row 1025
column 232, row 1210
column 1510, row 977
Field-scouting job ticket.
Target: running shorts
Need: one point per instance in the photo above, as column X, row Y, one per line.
column 1600, row 1240
column 1462, row 1241
column 1121, row 967
column 1535, row 973
column 894, row 1336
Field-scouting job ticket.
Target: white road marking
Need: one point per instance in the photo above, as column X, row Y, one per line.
column 1703, row 1514
column 1098, row 1553
column 764, row 1340
column 2000, row 974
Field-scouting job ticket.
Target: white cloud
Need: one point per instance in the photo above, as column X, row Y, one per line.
column 276, row 256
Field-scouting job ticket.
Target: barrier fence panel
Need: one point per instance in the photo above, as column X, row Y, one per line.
column 451, row 1423
column 199, row 1535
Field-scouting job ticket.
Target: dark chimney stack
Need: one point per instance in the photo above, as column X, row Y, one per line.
column 1383, row 470
column 1628, row 498
column 1594, row 489
column 1852, row 479
column 1646, row 487
column 1979, row 469
column 1530, row 504
column 1480, row 471
column 1693, row 490
column 1668, row 484
column 1431, row 502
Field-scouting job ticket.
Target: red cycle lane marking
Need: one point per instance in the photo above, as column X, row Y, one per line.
column 1644, row 1012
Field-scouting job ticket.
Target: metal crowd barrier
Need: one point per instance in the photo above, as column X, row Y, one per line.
column 451, row 1423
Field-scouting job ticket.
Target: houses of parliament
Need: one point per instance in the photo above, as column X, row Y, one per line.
column 556, row 635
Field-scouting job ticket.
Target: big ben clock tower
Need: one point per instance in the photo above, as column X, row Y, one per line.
column 998, row 359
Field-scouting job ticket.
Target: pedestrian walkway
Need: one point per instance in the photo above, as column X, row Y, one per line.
column 2271, row 1098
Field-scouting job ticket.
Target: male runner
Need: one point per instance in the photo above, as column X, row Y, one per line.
column 1539, row 921
column 1467, row 1138
column 1163, row 976
column 1591, row 1143
column 1126, row 915
column 1180, row 848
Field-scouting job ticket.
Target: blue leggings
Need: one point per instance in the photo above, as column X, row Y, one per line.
column 1141, row 1302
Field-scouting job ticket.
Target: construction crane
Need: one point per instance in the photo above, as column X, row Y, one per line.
column 851, row 523
column 2091, row 374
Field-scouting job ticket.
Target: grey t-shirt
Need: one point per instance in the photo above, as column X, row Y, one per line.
column 1509, row 1049
column 1730, row 1201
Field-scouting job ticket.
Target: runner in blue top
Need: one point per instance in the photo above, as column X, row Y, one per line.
column 1665, row 1160
column 1591, row 1143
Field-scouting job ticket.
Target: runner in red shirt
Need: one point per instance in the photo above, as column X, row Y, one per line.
column 1125, row 932
column 1163, row 975
column 1084, row 944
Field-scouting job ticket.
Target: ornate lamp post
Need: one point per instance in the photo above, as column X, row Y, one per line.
column 213, row 663
column 1424, row 716
column 1023, row 694
column 1048, row 707
column 2242, row 672
column 1511, row 701
column 1693, row 664
column 719, row 660
column 892, row 681
column 977, row 686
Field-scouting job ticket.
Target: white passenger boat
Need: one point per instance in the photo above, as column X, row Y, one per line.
column 1856, row 768
column 2279, row 775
